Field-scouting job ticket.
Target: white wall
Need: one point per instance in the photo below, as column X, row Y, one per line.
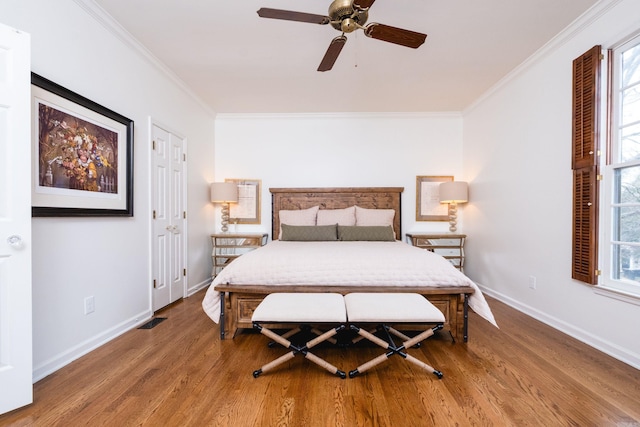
column 517, row 148
column 108, row 258
column 339, row 150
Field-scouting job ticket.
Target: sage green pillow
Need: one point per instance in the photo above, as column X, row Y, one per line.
column 309, row 233
column 372, row 233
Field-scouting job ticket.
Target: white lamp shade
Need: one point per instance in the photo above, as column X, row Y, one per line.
column 454, row 192
column 224, row 192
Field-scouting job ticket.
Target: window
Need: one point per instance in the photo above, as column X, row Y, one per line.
column 621, row 202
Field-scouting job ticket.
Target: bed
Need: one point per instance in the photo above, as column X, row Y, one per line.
column 242, row 285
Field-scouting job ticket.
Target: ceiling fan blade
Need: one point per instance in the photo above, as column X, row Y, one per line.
column 362, row 4
column 395, row 35
column 289, row 15
column 332, row 53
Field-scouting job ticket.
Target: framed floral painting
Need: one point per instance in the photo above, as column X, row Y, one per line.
column 83, row 155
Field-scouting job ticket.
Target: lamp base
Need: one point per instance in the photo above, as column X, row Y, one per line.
column 225, row 217
column 453, row 217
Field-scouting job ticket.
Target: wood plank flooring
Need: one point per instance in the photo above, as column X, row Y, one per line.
column 180, row 374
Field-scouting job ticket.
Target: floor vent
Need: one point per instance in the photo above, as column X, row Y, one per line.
column 152, row 323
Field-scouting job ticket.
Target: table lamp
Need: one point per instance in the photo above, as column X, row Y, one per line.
column 454, row 192
column 224, row 193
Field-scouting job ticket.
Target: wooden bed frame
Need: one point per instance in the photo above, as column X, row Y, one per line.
column 239, row 300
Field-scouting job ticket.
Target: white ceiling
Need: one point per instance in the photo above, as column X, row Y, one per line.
column 237, row 62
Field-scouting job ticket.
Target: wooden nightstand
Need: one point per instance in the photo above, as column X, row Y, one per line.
column 229, row 246
column 449, row 245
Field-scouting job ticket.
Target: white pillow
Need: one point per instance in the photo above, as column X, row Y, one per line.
column 376, row 217
column 298, row 217
column 346, row 216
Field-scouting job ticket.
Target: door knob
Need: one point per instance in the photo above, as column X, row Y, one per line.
column 15, row 241
column 172, row 228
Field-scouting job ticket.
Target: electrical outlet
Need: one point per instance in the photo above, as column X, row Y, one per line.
column 532, row 282
column 89, row 305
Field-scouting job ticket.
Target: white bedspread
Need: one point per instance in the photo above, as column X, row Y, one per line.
column 342, row 264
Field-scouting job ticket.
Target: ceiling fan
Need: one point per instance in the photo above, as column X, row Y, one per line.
column 347, row 16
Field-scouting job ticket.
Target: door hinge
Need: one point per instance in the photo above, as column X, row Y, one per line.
column 154, row 214
column 599, row 177
column 598, row 272
column 184, row 157
column 154, row 144
column 154, row 283
column 184, row 272
column 184, row 214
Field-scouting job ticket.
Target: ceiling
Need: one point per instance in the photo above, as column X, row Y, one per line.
column 237, row 62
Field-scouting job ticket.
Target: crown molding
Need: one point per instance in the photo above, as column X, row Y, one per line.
column 116, row 29
column 344, row 115
column 577, row 26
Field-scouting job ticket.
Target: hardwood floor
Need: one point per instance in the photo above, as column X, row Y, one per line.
column 180, row 374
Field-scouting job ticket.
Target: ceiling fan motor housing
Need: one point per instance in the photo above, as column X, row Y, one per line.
column 344, row 18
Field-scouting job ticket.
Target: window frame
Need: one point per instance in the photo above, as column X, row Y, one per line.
column 611, row 164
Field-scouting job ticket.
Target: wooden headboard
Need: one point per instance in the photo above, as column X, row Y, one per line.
column 336, row 198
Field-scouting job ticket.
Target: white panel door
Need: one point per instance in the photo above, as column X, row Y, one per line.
column 16, row 370
column 169, row 220
column 177, row 271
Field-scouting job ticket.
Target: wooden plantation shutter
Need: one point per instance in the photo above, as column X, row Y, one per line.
column 585, row 225
column 584, row 162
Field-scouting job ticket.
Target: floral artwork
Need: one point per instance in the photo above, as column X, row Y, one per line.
column 82, row 155
column 76, row 154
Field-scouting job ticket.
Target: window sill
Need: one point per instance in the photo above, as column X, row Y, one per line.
column 617, row 294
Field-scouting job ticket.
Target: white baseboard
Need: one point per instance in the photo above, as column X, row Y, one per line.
column 53, row 364
column 586, row 337
column 63, row 359
column 198, row 287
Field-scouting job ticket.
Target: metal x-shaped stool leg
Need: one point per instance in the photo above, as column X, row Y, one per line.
column 393, row 349
column 304, row 350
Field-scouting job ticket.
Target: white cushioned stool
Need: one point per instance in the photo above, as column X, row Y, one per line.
column 385, row 309
column 300, row 309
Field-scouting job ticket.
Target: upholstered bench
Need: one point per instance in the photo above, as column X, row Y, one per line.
column 385, row 309
column 300, row 309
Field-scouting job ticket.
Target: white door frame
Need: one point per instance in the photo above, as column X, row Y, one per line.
column 16, row 337
column 184, row 228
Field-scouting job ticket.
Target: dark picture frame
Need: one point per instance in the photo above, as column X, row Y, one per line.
column 82, row 155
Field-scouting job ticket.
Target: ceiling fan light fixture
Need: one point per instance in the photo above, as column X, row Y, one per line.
column 348, row 25
column 343, row 10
